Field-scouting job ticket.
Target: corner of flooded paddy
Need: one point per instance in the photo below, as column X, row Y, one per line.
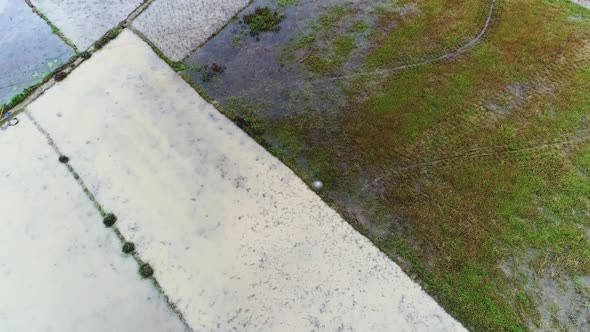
column 388, row 105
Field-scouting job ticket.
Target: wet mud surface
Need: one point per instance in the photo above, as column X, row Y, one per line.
column 243, row 68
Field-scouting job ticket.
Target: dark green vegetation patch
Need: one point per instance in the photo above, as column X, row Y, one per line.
column 263, row 19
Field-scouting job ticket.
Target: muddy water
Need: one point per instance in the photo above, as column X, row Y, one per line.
column 266, row 73
column 28, row 48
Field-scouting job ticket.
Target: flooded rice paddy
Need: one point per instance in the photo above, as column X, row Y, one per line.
column 293, row 68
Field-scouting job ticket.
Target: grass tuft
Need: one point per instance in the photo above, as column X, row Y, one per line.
column 263, row 19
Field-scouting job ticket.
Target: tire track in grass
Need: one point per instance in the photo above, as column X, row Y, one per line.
column 378, row 72
column 481, row 117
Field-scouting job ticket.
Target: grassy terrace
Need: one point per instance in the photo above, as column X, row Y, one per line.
column 473, row 173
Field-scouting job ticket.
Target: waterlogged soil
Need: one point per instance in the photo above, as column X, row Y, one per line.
column 28, row 49
column 453, row 167
column 270, row 72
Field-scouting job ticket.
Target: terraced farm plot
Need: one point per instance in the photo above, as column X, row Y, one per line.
column 453, row 134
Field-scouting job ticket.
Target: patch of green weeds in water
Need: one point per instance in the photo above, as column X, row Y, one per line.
column 327, row 60
column 321, row 64
column 208, row 72
column 236, row 41
column 343, row 45
column 326, row 46
column 286, row 3
column 301, row 41
column 331, row 18
column 359, row 26
column 263, row 19
column 244, row 114
column 289, row 50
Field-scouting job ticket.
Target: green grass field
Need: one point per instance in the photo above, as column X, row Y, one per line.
column 471, row 172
